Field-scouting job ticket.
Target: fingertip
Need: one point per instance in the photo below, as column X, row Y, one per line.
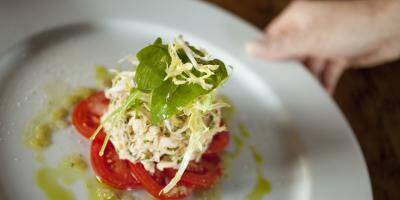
column 255, row 48
column 332, row 74
column 262, row 49
column 266, row 50
column 329, row 89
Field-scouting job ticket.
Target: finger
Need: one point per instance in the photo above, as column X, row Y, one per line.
column 315, row 65
column 268, row 50
column 282, row 39
column 331, row 74
column 282, row 48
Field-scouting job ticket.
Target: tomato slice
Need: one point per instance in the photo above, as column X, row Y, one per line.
column 219, row 143
column 203, row 174
column 86, row 115
column 110, row 169
column 155, row 183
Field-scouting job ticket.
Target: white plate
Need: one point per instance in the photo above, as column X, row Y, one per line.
column 309, row 149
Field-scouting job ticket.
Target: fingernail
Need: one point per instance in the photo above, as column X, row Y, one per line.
column 269, row 50
column 250, row 48
column 256, row 48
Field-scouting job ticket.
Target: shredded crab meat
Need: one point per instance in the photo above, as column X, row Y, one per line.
column 165, row 145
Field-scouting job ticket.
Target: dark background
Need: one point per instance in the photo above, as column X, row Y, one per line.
column 369, row 98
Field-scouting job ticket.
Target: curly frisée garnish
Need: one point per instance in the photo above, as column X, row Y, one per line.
column 165, row 113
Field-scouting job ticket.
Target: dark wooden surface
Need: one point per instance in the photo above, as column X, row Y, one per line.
column 369, row 98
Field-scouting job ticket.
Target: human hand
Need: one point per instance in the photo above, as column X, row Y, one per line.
column 331, row 36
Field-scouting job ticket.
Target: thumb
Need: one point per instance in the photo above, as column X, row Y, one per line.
column 283, row 38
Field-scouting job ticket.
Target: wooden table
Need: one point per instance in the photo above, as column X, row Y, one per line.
column 369, row 98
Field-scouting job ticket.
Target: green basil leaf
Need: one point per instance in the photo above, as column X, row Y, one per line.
column 153, row 61
column 198, row 52
column 159, row 100
column 169, row 98
column 184, row 58
column 220, row 74
column 182, row 96
column 158, row 41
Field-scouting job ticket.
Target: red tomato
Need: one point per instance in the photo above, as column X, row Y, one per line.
column 110, row 169
column 86, row 115
column 204, row 174
column 219, row 143
column 155, row 183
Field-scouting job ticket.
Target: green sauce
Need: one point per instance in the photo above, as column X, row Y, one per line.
column 61, row 95
column 207, row 194
column 238, row 142
column 103, row 77
column 38, row 133
column 256, row 155
column 47, row 180
column 53, row 117
column 54, row 181
column 261, row 188
column 99, row 191
column 244, row 131
column 75, row 96
column 59, row 113
column 74, row 162
column 229, row 156
column 228, row 112
column 41, row 137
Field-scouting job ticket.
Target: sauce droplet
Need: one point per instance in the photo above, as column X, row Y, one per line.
column 261, row 188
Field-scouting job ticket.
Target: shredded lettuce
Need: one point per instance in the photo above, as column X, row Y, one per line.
column 199, row 132
column 182, row 73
